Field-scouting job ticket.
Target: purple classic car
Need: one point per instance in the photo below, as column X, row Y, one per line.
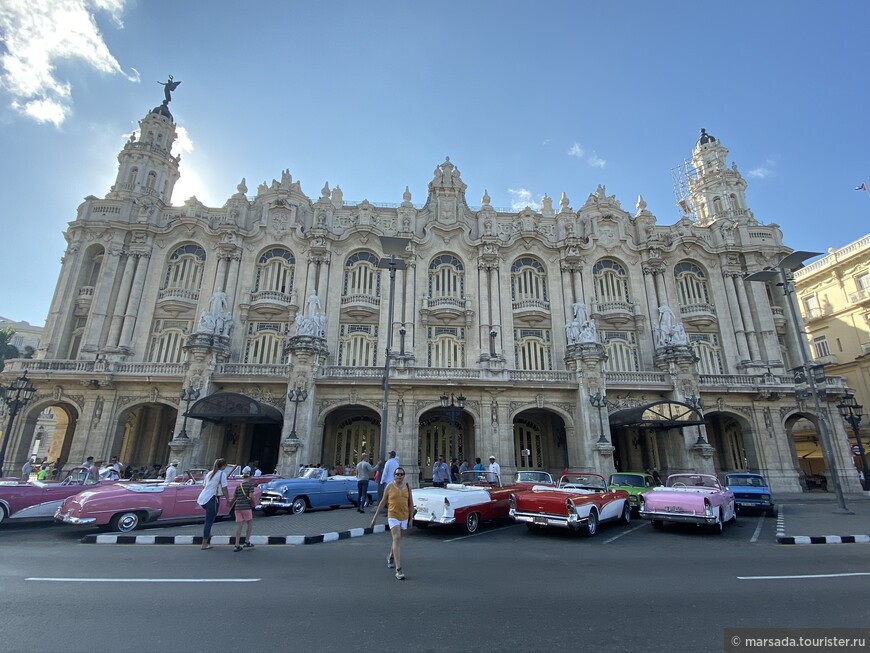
column 689, row 499
column 126, row 506
column 40, row 499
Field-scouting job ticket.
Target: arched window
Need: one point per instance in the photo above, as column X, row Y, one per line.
column 533, row 349
column 167, row 339
column 691, row 285
column 184, row 272
column 706, row 346
column 276, row 269
column 446, row 278
column 151, row 181
column 264, row 343
column 529, row 284
column 446, row 347
column 355, row 436
column 611, row 282
column 621, row 351
column 362, row 279
column 358, row 345
column 717, row 205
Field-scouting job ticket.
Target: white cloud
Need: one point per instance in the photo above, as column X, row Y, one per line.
column 37, row 34
column 759, row 173
column 577, row 151
column 183, row 143
column 521, row 198
column 766, row 169
column 596, row 161
column 546, row 141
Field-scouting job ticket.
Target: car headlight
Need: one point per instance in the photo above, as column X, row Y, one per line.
column 513, row 502
column 708, row 510
column 285, row 490
column 765, row 497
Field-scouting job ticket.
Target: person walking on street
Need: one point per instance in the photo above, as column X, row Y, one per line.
column 26, row 469
column 364, row 472
column 210, row 497
column 440, row 473
column 387, row 472
column 244, row 509
column 400, row 509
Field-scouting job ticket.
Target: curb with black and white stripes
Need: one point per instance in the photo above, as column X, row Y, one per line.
column 229, row 539
column 782, row 538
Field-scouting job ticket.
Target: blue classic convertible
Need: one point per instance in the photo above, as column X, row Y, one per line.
column 313, row 488
column 750, row 492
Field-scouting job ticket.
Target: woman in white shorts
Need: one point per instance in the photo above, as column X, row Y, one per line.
column 400, row 507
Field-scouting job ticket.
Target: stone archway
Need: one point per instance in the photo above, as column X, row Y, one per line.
column 58, row 448
column 142, row 434
column 727, row 434
column 803, row 438
column 539, row 441
column 444, row 431
column 348, row 432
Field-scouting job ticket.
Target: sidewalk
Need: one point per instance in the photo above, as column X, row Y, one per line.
column 312, row 527
column 814, row 518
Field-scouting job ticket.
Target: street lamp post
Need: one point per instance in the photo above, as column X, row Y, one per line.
column 453, row 405
column 16, row 395
column 188, row 395
column 698, row 404
column 393, row 248
column 852, row 412
column 794, row 261
column 297, row 396
column 599, row 401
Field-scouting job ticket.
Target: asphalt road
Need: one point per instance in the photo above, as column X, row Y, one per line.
column 503, row 589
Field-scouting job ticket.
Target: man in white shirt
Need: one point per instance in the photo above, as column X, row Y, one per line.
column 494, row 469
column 246, row 469
column 256, row 468
column 388, row 474
column 171, row 472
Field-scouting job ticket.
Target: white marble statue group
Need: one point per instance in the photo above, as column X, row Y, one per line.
column 217, row 320
column 669, row 331
column 313, row 324
column 582, row 328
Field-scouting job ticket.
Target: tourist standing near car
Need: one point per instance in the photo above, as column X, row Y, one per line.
column 26, row 468
column 244, row 509
column 210, row 497
column 400, row 507
column 478, row 466
column 364, row 472
column 93, row 470
column 171, row 472
column 454, row 471
column 494, row 470
column 440, row 473
column 462, row 469
column 387, row 472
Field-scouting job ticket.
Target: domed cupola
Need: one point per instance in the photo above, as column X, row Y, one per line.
column 716, row 191
column 706, row 138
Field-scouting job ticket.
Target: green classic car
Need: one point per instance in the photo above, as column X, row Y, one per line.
column 635, row 483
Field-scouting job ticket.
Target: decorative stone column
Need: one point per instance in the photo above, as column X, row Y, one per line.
column 585, row 452
column 307, row 353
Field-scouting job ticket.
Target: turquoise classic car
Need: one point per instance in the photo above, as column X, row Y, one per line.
column 635, row 483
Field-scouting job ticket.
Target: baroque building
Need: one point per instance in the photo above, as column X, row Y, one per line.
column 587, row 338
column 834, row 299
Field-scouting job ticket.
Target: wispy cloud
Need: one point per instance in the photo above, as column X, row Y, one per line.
column 183, row 143
column 521, row 198
column 596, row 161
column 765, row 170
column 577, row 151
column 37, row 34
column 546, row 141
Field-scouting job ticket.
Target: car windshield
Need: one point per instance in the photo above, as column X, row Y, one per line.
column 582, row 482
column 745, row 481
column 79, row 476
column 311, row 472
column 534, row 477
column 692, row 480
column 630, row 480
column 479, row 478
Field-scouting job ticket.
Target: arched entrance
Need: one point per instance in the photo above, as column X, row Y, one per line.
column 803, row 435
column 58, row 447
column 734, row 452
column 142, row 435
column 348, row 432
column 540, row 441
column 447, row 432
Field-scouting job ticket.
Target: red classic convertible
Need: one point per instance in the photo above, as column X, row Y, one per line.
column 580, row 502
column 40, row 499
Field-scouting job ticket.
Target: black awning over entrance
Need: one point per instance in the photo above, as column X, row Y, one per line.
column 657, row 415
column 231, row 407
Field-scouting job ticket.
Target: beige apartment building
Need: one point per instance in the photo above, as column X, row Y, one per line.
column 587, row 337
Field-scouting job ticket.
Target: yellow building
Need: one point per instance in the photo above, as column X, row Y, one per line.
column 834, row 298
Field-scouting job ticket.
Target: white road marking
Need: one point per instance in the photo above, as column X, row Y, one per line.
column 145, row 580
column 757, row 532
column 857, row 573
column 492, row 530
column 616, row 537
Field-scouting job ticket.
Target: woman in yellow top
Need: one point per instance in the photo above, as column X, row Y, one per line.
column 400, row 508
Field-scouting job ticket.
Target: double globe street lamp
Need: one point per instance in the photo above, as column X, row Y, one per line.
column 188, row 395
column 852, row 412
column 16, row 395
column 599, row 401
column 297, row 396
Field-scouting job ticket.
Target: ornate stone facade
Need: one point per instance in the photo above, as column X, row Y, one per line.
column 525, row 315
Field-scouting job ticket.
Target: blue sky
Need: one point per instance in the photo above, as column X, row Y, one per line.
column 526, row 98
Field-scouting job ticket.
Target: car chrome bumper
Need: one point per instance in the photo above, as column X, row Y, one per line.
column 432, row 519
column 679, row 517
column 561, row 521
column 77, row 521
column 761, row 505
column 269, row 502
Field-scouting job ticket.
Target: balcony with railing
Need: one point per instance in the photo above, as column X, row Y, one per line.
column 444, row 306
column 701, row 314
column 360, row 305
column 253, row 370
column 860, row 297
column 183, row 295
column 531, row 310
column 637, row 379
column 615, row 312
column 817, row 312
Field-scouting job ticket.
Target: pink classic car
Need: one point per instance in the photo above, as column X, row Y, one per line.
column 689, row 499
column 124, row 507
column 40, row 499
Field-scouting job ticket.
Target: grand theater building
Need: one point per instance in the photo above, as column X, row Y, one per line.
column 583, row 337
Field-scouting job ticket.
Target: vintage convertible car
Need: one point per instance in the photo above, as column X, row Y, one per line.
column 478, row 497
column 689, row 499
column 635, row 483
column 40, row 499
column 580, row 502
column 750, row 492
column 314, row 488
column 125, row 506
